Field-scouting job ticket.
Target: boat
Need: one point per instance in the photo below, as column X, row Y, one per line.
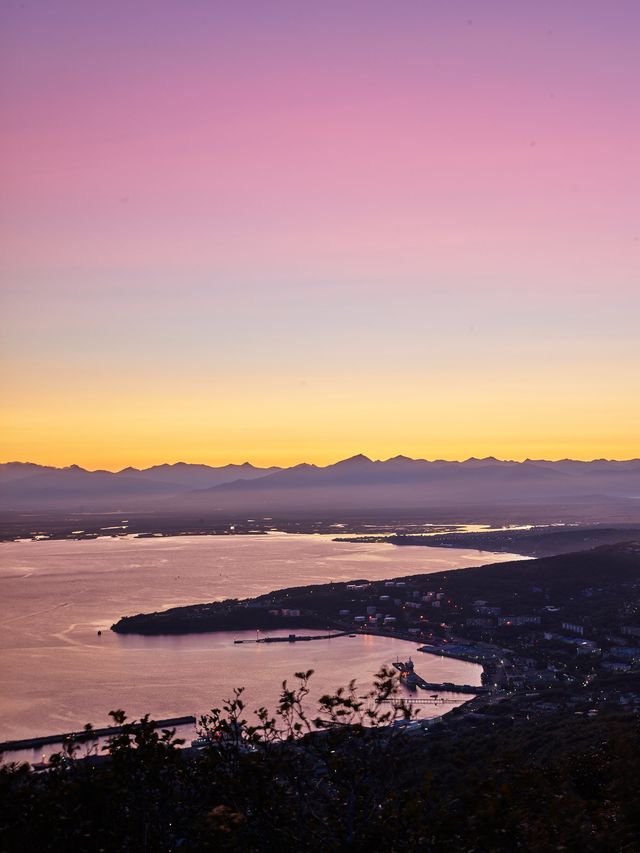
column 201, row 742
column 41, row 765
column 407, row 675
column 231, row 739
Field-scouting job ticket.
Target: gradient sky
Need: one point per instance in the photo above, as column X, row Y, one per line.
column 287, row 231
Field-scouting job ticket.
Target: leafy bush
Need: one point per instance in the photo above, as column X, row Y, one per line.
column 358, row 774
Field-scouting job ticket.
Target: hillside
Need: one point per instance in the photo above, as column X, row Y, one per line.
column 496, row 785
column 514, row 587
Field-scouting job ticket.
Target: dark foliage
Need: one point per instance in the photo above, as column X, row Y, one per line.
column 348, row 779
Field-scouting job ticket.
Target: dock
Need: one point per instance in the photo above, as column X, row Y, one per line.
column 293, row 638
column 403, row 700
column 448, row 687
column 92, row 734
column 410, row 678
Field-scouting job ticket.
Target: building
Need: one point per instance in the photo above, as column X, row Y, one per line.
column 519, row 620
column 574, row 628
column 615, row 666
column 624, row 652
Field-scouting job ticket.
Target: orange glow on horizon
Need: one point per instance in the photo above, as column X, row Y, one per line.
column 114, row 440
column 111, row 420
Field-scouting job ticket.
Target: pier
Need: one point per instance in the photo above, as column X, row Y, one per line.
column 293, row 638
column 410, row 678
column 447, row 687
column 92, row 734
column 408, row 700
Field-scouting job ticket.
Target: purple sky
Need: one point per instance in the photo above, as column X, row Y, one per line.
column 290, row 231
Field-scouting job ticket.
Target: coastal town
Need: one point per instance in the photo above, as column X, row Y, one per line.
column 558, row 634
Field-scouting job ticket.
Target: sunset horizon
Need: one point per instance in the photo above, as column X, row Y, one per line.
column 321, row 462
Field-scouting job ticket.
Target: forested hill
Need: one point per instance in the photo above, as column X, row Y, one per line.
column 523, row 586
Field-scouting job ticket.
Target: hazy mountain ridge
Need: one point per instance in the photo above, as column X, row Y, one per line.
column 361, row 471
column 354, row 482
column 191, row 476
column 25, row 484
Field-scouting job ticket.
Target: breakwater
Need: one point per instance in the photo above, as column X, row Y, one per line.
column 91, row 734
column 293, row 638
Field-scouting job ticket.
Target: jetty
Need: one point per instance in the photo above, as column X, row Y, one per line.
column 90, row 734
column 448, row 687
column 403, row 700
column 293, row 638
column 410, row 678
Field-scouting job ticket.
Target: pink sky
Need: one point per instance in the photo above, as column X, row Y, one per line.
column 259, row 192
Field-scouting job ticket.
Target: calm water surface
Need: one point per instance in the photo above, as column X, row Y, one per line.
column 57, row 674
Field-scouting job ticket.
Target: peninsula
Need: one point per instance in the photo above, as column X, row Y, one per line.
column 566, row 624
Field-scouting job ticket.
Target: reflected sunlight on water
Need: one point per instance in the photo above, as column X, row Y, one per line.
column 58, row 673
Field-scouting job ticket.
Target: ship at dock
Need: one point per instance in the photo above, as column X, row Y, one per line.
column 408, row 676
column 411, row 680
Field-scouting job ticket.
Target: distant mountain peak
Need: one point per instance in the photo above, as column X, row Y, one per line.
column 358, row 459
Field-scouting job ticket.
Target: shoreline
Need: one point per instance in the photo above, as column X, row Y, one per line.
column 524, row 541
column 81, row 736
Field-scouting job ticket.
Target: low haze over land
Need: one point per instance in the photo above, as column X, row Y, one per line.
column 600, row 488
